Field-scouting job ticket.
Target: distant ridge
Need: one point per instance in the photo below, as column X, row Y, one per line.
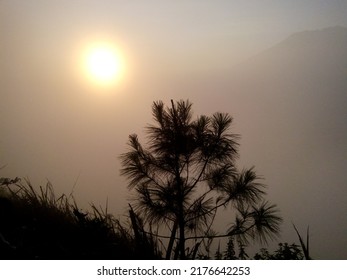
column 310, row 60
column 305, row 61
column 302, row 81
column 336, row 31
column 328, row 45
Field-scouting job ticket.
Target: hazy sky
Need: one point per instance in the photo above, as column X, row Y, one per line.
column 56, row 125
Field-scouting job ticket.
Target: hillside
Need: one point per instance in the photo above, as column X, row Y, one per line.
column 292, row 110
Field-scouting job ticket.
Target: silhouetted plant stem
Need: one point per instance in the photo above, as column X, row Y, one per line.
column 305, row 248
column 172, row 240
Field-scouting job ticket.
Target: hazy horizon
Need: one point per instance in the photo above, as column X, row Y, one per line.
column 222, row 56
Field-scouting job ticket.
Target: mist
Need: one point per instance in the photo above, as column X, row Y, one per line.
column 279, row 69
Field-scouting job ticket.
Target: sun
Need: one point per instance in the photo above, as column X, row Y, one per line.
column 103, row 64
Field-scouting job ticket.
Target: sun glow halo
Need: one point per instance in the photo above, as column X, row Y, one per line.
column 103, row 64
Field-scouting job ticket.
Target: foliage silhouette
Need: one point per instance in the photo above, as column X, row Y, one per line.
column 284, row 252
column 38, row 225
column 187, row 173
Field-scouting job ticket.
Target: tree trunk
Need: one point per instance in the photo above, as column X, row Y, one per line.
column 182, row 239
column 171, row 242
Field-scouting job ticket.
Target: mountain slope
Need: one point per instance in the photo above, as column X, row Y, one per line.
column 290, row 107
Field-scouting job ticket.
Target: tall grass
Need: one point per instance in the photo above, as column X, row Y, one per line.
column 37, row 224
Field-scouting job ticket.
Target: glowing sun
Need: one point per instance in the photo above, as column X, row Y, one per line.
column 103, row 64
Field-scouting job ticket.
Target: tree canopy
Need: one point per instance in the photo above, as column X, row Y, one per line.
column 186, row 172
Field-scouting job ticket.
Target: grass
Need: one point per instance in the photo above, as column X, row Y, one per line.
column 36, row 224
